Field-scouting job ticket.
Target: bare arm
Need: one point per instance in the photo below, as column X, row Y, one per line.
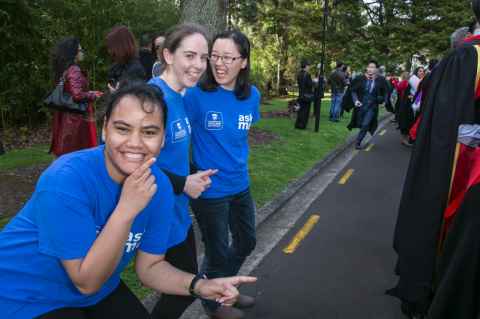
column 91, row 272
column 156, row 273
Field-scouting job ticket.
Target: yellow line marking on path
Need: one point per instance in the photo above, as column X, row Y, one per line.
column 302, row 233
column 369, row 148
column 382, row 133
column 346, row 176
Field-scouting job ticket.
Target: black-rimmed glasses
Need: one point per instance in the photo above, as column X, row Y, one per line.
column 225, row 58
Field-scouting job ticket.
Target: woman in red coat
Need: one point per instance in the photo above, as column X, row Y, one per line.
column 73, row 131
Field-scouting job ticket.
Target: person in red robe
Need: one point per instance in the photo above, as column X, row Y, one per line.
column 73, row 131
column 436, row 235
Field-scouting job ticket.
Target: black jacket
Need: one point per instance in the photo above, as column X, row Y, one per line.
column 358, row 86
column 147, row 60
column 123, row 73
column 305, row 86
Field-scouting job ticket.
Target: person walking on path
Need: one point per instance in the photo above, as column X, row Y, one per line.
column 221, row 110
column 368, row 92
column 92, row 212
column 305, row 95
column 185, row 55
column 73, row 131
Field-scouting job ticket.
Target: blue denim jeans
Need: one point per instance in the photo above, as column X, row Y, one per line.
column 217, row 218
column 336, row 106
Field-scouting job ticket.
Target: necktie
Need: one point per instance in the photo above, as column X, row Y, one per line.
column 370, row 85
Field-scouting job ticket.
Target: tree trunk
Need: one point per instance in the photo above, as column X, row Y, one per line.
column 210, row 13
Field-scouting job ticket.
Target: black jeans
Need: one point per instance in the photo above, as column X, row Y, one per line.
column 303, row 114
column 120, row 304
column 366, row 115
column 217, row 218
column 183, row 257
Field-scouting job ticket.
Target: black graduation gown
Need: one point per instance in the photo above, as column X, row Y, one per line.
column 449, row 103
column 406, row 116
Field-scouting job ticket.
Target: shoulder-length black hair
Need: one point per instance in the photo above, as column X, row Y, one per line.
column 242, row 85
column 63, row 56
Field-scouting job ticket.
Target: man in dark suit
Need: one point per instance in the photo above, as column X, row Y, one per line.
column 368, row 93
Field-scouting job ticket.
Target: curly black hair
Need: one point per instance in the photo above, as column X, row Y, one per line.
column 63, row 56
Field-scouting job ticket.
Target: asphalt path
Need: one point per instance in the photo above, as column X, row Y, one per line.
column 337, row 261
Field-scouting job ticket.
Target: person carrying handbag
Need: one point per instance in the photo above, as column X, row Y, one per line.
column 72, row 131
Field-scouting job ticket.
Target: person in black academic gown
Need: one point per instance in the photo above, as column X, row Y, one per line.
column 368, row 92
column 305, row 95
column 439, row 268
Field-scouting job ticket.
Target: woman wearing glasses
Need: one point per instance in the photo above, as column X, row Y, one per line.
column 221, row 110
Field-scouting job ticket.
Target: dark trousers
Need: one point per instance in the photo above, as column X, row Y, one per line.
column 120, row 304
column 216, row 218
column 302, row 115
column 366, row 115
column 183, row 257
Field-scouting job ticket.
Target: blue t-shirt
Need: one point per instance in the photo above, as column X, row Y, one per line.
column 174, row 156
column 72, row 202
column 220, row 125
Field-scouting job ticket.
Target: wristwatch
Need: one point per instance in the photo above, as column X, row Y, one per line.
column 194, row 281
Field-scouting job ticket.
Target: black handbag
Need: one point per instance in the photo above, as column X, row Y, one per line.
column 62, row 101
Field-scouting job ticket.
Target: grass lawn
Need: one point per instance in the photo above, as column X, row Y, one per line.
column 272, row 166
column 25, row 157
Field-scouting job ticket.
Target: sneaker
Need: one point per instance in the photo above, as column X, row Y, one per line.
column 358, row 147
column 244, row 302
column 226, row 312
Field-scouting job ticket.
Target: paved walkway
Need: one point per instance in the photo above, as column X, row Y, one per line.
column 342, row 267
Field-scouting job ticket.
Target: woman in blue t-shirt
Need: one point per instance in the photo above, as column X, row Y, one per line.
column 91, row 213
column 185, row 55
column 221, row 111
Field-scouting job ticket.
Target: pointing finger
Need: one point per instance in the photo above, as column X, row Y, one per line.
column 141, row 170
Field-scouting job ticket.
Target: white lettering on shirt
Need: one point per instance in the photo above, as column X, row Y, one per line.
column 133, row 242
column 244, row 121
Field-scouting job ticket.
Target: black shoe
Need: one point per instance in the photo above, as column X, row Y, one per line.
column 224, row 312
column 244, row 302
column 359, row 147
